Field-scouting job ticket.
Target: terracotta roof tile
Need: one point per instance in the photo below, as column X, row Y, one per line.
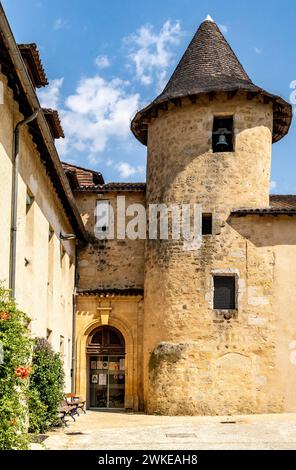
column 108, row 187
column 280, row 204
column 112, row 292
column 31, row 57
column 84, row 177
column 54, row 122
column 283, row 201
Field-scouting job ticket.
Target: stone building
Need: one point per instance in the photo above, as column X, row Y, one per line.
column 158, row 324
column 206, row 330
column 37, row 207
column 109, row 299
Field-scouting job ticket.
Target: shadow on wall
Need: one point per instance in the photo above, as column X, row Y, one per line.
column 265, row 231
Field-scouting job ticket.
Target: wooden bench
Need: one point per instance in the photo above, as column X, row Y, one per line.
column 74, row 400
column 66, row 409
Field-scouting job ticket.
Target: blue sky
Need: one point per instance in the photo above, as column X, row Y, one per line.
column 105, row 59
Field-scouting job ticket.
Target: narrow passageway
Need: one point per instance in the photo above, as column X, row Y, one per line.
column 117, row 430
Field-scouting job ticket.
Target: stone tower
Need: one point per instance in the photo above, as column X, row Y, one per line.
column 209, row 136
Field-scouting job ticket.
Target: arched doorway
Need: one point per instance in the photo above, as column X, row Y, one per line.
column 106, row 365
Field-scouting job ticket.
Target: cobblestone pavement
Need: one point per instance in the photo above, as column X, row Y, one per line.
column 105, row 430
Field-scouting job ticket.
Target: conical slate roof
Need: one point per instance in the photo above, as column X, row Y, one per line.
column 209, row 65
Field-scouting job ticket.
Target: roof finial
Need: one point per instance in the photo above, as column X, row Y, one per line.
column 209, row 18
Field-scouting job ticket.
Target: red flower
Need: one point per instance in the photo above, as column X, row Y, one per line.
column 4, row 316
column 22, row 372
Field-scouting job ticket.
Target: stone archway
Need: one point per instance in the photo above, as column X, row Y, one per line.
column 105, row 352
column 131, row 397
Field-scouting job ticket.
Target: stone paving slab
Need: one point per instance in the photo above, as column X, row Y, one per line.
column 123, row 431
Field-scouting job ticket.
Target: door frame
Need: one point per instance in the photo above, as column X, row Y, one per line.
column 89, row 354
column 131, row 357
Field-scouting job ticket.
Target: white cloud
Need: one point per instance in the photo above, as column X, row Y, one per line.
column 126, row 170
column 102, row 62
column 258, row 50
column 59, row 23
column 96, row 112
column 50, row 96
column 93, row 159
column 151, row 53
column 224, row 28
column 273, row 185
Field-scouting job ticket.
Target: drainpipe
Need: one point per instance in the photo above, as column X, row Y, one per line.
column 14, row 196
column 73, row 368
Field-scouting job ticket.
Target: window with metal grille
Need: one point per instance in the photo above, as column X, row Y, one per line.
column 222, row 138
column 224, row 292
column 207, row 224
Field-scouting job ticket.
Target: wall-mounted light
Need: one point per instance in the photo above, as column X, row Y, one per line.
column 67, row 236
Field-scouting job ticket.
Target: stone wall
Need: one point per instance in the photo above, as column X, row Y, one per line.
column 109, row 263
column 196, row 361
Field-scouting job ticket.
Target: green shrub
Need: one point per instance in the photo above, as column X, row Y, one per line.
column 16, row 349
column 46, row 386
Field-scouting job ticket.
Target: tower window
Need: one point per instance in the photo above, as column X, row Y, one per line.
column 222, row 138
column 207, row 224
column 224, row 292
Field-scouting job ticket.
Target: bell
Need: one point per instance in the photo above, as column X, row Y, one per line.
column 222, row 143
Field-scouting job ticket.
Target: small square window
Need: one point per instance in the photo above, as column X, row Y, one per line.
column 222, row 138
column 225, row 292
column 207, row 224
column 103, row 216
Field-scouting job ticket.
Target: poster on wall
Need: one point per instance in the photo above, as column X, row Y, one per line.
column 94, row 379
column 93, row 364
column 121, row 364
column 99, row 364
column 102, row 379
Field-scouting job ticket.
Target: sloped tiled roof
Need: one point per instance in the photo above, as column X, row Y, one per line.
column 209, row 65
column 283, row 201
column 279, row 204
column 112, row 292
column 108, row 187
column 54, row 122
column 83, row 176
column 82, row 179
column 31, row 57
